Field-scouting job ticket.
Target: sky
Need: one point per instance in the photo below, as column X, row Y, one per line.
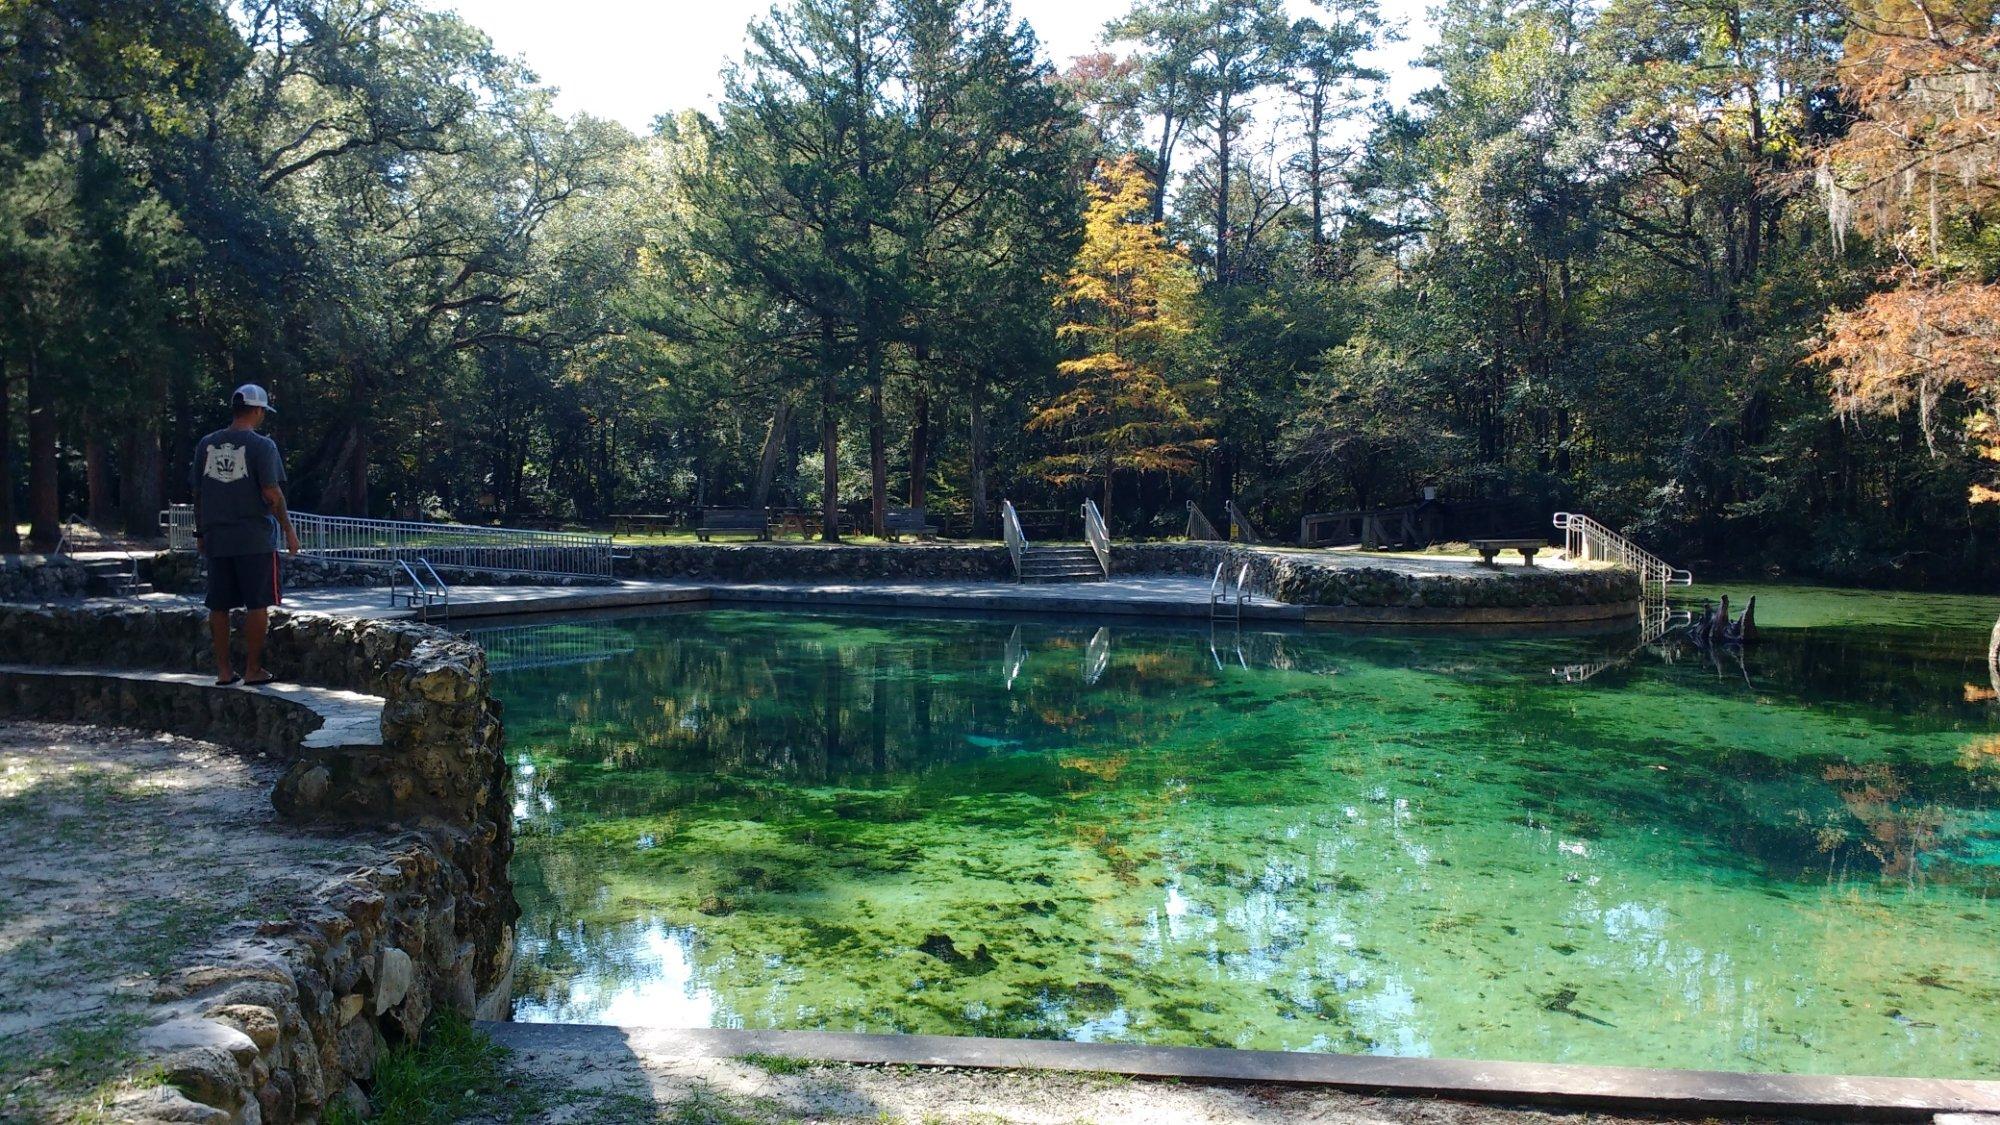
column 631, row 60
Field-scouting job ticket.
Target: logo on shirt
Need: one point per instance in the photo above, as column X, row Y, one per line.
column 226, row 464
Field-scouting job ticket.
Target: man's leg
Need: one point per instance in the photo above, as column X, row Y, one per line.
column 255, row 623
column 218, row 636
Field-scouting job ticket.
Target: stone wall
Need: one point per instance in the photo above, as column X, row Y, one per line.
column 185, row 572
column 276, row 1022
column 39, row 578
column 1288, row 576
column 1296, row 578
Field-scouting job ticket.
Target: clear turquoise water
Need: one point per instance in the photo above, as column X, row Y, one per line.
column 1410, row 845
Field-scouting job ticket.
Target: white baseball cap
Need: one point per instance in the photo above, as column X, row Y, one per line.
column 250, row 394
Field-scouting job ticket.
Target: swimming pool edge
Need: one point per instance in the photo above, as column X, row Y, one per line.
column 1686, row 1092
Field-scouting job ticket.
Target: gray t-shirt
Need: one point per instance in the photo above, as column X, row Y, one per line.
column 231, row 468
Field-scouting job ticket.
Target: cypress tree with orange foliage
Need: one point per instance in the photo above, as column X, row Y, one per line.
column 1127, row 302
column 1919, row 172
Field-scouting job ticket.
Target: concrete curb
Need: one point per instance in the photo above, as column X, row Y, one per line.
column 1680, row 1092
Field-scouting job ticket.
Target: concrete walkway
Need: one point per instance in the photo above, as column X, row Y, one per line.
column 1149, row 597
column 646, row 1059
column 347, row 718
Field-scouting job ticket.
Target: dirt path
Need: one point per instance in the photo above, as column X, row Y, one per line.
column 120, row 851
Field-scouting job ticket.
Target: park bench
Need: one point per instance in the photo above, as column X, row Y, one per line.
column 1489, row 548
column 736, row 521
column 898, row 522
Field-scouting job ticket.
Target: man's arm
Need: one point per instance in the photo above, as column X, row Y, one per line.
column 274, row 499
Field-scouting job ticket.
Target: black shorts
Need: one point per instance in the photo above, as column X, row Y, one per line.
column 243, row 581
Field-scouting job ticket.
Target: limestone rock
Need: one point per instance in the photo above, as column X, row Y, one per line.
column 207, row 1074
column 191, row 1034
column 164, row 1103
column 392, row 979
column 258, row 1022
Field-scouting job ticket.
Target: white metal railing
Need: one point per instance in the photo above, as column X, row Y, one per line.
column 1240, row 523
column 1586, row 540
column 177, row 523
column 1218, row 594
column 1198, row 526
column 451, row 545
column 427, row 591
column 1017, row 541
column 1010, row 530
column 1097, row 535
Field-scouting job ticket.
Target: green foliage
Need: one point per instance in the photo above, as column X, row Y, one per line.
column 456, row 1072
column 1587, row 267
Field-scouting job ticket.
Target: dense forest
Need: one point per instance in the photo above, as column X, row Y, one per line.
column 1719, row 273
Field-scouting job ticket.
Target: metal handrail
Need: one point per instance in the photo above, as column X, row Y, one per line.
column 1586, row 540
column 1216, row 590
column 1241, row 525
column 1010, row 530
column 1198, row 526
column 1097, row 535
column 456, row 546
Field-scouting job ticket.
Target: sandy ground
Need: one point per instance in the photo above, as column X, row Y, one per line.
column 565, row 1087
column 120, row 852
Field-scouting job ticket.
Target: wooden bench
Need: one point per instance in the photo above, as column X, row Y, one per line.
column 898, row 522
column 1489, row 548
column 735, row 521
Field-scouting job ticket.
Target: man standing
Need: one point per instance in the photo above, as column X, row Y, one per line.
column 238, row 512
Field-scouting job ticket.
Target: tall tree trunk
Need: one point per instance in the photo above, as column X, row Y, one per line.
column 829, row 438
column 44, row 499
column 1222, row 137
column 99, row 503
column 774, row 447
column 357, row 476
column 10, row 533
column 978, row 448
column 141, row 480
column 920, row 447
column 878, row 453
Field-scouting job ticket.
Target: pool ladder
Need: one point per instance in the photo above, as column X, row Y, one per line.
column 1220, row 604
column 421, row 595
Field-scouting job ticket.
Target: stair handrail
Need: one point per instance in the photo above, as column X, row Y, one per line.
column 1010, row 531
column 1198, row 527
column 1240, row 523
column 1586, row 540
column 1097, row 535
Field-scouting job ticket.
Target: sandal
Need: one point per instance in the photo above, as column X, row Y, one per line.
column 234, row 678
column 268, row 679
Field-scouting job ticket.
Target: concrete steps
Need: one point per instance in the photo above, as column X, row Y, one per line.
column 118, row 578
column 1060, row 564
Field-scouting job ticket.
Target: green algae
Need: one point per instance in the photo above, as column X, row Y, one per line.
column 1413, row 845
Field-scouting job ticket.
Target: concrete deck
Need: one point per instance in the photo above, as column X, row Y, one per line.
column 1675, row 1092
column 1149, row 596
column 348, row 718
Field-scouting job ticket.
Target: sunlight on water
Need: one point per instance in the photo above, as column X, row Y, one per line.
column 1410, row 845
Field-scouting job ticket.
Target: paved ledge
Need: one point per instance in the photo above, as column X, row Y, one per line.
column 347, row 718
column 1134, row 596
column 1680, row 1092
